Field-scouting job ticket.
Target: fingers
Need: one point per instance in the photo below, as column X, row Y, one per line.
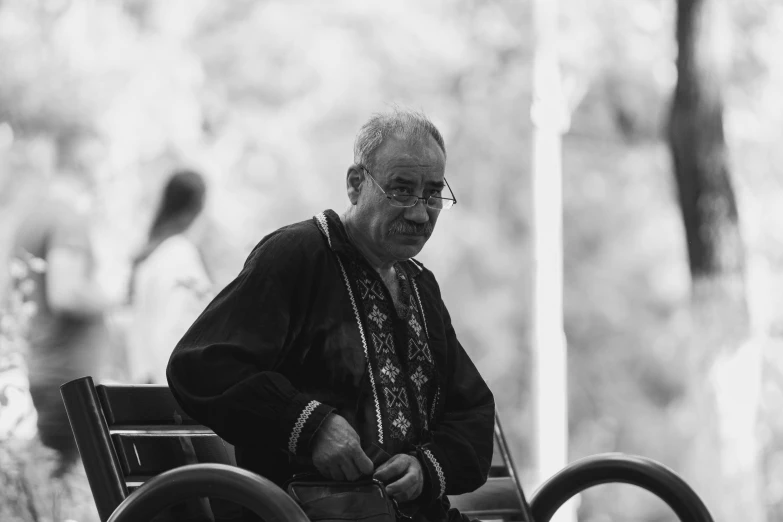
column 337, row 452
column 354, row 463
column 338, row 470
column 350, row 471
column 392, row 468
column 408, row 474
column 402, row 474
column 408, row 487
column 357, row 464
column 363, row 463
column 328, row 470
column 348, row 462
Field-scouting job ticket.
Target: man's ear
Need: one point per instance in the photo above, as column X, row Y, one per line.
column 353, row 182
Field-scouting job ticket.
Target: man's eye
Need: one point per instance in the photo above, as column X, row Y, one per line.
column 402, row 191
column 436, row 192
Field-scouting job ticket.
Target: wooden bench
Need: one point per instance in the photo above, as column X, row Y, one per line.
column 143, row 454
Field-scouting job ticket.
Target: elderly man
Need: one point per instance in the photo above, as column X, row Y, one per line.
column 333, row 351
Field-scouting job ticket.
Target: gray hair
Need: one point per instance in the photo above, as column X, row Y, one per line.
column 405, row 123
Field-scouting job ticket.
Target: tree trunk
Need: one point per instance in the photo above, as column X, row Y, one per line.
column 718, row 412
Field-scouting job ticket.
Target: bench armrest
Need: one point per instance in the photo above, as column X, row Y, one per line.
column 607, row 468
column 246, row 488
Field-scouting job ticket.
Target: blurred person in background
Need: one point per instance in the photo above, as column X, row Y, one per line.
column 169, row 283
column 53, row 272
column 332, row 351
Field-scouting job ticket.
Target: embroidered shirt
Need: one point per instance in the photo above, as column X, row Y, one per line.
column 308, row 328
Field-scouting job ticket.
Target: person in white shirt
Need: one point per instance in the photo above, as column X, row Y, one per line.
column 170, row 284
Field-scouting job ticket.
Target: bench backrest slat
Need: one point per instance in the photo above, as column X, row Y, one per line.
column 149, row 455
column 141, row 404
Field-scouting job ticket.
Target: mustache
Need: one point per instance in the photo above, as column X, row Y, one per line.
column 405, row 227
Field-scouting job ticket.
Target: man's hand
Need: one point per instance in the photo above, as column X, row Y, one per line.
column 337, row 452
column 408, row 474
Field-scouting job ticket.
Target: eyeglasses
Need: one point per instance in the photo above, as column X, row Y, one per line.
column 411, row 200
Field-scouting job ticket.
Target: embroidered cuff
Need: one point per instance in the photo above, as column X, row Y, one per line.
column 434, row 471
column 307, row 418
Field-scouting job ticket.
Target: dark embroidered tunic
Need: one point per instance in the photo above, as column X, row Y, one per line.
column 308, row 328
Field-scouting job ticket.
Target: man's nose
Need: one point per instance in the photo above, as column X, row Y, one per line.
column 418, row 212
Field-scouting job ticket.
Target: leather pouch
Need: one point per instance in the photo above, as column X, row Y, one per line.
column 329, row 501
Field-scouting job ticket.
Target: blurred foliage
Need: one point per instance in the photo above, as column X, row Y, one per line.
column 265, row 98
column 29, row 493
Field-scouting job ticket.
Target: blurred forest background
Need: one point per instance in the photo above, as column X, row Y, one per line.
column 265, row 97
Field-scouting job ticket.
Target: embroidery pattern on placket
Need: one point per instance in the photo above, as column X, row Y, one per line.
column 420, row 360
column 324, row 227
column 378, row 310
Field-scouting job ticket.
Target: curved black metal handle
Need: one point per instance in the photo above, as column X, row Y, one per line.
column 248, row 489
column 617, row 467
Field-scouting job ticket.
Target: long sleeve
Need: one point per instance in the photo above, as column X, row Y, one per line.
column 224, row 371
column 458, row 458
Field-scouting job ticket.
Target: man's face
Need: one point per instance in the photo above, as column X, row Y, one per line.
column 400, row 166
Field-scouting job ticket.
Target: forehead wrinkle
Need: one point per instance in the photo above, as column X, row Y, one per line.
column 414, row 178
column 416, row 171
column 413, row 161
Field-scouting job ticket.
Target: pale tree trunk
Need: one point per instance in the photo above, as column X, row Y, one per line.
column 550, row 372
column 719, row 411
